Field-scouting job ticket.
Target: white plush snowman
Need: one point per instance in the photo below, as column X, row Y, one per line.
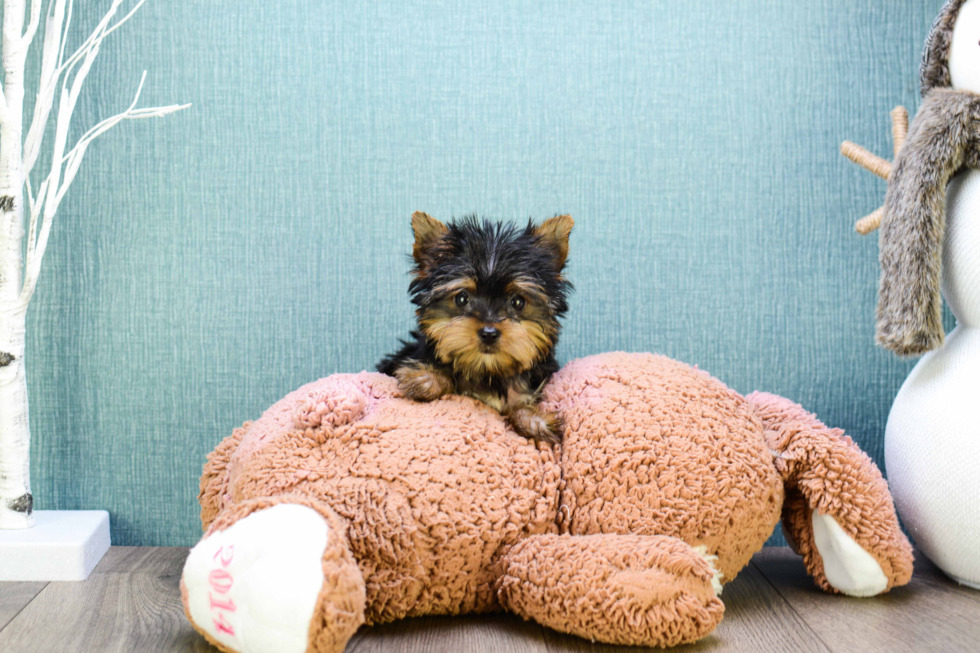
column 932, row 440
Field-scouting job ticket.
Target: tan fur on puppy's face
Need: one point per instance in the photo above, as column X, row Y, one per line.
column 526, row 335
column 522, row 343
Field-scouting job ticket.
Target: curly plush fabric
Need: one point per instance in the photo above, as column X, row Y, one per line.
column 629, row 589
column 664, row 487
column 430, row 492
column 668, row 450
column 216, row 476
column 826, row 471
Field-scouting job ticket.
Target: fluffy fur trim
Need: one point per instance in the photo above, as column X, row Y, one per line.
column 934, row 71
column 943, row 138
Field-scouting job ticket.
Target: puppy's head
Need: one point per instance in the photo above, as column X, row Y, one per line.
column 489, row 295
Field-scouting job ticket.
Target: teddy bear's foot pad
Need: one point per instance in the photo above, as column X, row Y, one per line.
column 849, row 569
column 254, row 586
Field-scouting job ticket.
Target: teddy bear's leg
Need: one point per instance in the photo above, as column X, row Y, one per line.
column 274, row 575
column 838, row 513
column 214, row 479
column 619, row 589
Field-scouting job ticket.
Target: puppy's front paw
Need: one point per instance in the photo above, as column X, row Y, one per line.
column 423, row 383
column 535, row 424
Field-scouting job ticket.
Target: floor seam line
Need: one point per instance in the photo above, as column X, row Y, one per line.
column 24, row 607
column 791, row 607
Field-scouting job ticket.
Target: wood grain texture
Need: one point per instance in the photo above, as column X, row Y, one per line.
column 492, row 633
column 932, row 613
column 14, row 597
column 206, row 264
column 130, row 603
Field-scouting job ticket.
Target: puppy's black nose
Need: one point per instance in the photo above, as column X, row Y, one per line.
column 489, row 335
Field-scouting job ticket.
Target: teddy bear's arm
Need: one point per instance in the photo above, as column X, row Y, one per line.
column 591, row 585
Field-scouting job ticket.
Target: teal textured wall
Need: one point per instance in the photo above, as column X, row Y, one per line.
column 205, row 264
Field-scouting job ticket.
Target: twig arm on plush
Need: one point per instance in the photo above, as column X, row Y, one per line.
column 877, row 165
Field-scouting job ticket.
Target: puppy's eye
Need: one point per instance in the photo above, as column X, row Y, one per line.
column 517, row 302
column 462, row 299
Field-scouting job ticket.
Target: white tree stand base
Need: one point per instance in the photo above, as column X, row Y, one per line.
column 62, row 545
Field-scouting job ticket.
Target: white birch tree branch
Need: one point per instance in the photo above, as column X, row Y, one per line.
column 59, row 84
column 64, row 166
column 35, row 19
column 63, row 171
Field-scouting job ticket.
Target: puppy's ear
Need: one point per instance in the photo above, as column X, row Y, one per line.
column 554, row 233
column 428, row 231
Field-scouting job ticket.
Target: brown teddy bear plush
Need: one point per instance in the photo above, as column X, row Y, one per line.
column 347, row 504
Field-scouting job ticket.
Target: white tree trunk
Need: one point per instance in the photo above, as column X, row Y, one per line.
column 16, row 501
column 60, row 81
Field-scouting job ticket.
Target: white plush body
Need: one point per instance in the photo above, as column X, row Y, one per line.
column 932, row 441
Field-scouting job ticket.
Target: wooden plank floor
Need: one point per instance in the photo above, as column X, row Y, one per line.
column 131, row 603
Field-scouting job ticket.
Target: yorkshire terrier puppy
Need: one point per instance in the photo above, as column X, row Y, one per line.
column 489, row 297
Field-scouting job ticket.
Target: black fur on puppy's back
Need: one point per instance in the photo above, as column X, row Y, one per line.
column 417, row 348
